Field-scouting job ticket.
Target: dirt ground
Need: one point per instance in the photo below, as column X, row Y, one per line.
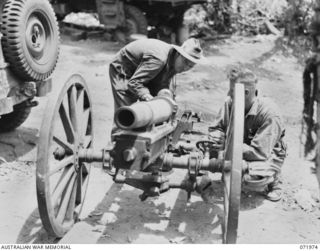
column 113, row 213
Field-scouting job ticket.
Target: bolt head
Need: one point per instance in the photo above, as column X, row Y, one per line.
column 129, row 154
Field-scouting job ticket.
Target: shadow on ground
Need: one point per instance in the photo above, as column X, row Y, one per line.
column 33, row 231
column 121, row 218
column 18, row 143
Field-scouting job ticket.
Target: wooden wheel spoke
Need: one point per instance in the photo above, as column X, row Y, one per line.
column 61, row 164
column 228, row 148
column 65, row 145
column 80, row 104
column 66, row 198
column 73, row 108
column 67, row 125
column 227, row 184
column 79, row 187
column 228, row 145
column 229, row 129
column 72, row 202
column 85, row 169
column 83, row 180
column 80, row 113
column 62, row 183
column 86, row 121
column 87, row 141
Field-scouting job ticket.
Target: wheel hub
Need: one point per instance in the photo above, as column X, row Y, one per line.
column 35, row 37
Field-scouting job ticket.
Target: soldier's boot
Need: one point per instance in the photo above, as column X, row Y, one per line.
column 274, row 191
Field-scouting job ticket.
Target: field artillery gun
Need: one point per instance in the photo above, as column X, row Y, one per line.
column 152, row 142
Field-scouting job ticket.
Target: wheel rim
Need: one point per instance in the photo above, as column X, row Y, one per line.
column 232, row 179
column 62, row 179
column 39, row 37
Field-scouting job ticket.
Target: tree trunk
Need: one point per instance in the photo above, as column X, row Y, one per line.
column 316, row 19
column 290, row 29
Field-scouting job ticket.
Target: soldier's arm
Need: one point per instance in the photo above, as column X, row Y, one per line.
column 264, row 140
column 148, row 69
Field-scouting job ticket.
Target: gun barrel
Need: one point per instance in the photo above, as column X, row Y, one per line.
column 142, row 114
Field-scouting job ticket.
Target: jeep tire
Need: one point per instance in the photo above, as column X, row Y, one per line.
column 30, row 38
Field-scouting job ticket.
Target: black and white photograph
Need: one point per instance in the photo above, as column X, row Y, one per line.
column 159, row 122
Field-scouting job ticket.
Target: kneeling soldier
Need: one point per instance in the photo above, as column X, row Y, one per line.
column 263, row 148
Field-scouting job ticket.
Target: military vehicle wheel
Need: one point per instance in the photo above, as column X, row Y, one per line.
column 61, row 178
column 30, row 38
column 232, row 178
column 136, row 22
column 10, row 121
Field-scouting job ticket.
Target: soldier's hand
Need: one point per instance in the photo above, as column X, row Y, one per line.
column 146, row 97
column 218, row 137
column 165, row 93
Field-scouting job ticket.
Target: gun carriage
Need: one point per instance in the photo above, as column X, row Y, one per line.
column 152, row 141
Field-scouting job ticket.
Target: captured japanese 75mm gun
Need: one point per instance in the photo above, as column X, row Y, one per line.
column 151, row 142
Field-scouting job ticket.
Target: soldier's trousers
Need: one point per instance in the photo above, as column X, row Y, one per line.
column 120, row 96
column 262, row 174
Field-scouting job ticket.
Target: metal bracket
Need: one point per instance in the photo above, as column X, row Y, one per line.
column 28, row 89
column 194, row 165
column 152, row 184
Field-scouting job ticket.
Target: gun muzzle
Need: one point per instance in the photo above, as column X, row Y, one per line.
column 143, row 114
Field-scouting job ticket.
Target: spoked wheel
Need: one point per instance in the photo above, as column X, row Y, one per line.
column 61, row 178
column 232, row 178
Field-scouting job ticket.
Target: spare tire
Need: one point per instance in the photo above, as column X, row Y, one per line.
column 30, row 38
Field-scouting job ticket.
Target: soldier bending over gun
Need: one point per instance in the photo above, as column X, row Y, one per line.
column 144, row 67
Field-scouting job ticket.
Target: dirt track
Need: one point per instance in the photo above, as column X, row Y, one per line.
column 113, row 213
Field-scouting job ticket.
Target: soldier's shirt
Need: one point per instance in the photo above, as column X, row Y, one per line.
column 146, row 66
column 263, row 130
